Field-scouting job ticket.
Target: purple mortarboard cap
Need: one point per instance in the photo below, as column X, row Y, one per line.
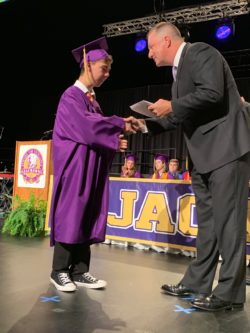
column 130, row 157
column 161, row 157
column 95, row 50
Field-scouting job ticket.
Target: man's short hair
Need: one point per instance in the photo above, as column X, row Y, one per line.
column 174, row 160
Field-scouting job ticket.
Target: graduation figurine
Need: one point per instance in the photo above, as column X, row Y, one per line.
column 129, row 167
column 84, row 144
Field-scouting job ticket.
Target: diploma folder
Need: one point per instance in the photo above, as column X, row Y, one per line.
column 142, row 108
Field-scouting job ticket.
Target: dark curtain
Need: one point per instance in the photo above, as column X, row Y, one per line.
column 172, row 143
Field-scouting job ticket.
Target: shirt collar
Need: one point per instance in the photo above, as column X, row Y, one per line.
column 178, row 55
column 83, row 88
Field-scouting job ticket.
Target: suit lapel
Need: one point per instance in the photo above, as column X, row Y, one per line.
column 174, row 90
column 175, row 83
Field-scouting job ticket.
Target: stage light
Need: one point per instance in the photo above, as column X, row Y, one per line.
column 224, row 29
column 140, row 44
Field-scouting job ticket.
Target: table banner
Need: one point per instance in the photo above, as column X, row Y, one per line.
column 159, row 212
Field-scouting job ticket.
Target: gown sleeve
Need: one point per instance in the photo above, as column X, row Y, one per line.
column 76, row 123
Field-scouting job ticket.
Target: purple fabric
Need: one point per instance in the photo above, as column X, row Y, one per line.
column 130, row 157
column 137, row 174
column 84, row 143
column 161, row 157
column 177, row 175
column 95, row 50
column 95, row 55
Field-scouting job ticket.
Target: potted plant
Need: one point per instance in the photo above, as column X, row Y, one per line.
column 27, row 218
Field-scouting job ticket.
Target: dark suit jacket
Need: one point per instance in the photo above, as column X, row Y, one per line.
column 206, row 101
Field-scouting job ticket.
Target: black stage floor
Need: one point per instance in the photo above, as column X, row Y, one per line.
column 132, row 301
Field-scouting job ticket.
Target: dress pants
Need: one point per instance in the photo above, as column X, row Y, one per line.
column 72, row 258
column 221, row 203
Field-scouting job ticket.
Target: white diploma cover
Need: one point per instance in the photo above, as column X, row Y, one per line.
column 142, row 108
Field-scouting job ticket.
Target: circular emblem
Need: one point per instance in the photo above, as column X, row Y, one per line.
column 32, row 166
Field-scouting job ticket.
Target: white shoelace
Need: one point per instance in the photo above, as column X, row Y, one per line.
column 64, row 278
column 89, row 277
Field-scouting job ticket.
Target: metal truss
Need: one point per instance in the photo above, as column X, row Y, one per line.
column 211, row 11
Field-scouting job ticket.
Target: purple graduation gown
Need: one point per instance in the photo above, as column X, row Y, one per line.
column 83, row 146
column 177, row 176
column 137, row 174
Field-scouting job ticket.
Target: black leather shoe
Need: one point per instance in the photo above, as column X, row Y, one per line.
column 238, row 306
column 248, row 281
column 176, row 290
column 198, row 297
column 213, row 303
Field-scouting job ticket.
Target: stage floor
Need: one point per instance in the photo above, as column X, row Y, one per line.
column 132, row 302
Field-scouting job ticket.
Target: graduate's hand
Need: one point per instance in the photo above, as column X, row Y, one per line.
column 135, row 124
column 129, row 128
column 123, row 143
column 161, row 108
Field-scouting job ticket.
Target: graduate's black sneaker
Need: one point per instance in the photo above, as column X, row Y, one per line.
column 89, row 281
column 62, row 281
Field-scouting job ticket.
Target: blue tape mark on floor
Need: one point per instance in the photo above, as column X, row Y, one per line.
column 185, row 310
column 50, row 299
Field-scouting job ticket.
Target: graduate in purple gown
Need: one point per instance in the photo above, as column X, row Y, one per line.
column 173, row 170
column 84, row 144
column 129, row 167
column 160, row 166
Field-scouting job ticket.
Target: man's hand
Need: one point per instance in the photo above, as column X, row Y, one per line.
column 123, row 143
column 129, row 129
column 140, row 125
column 161, row 108
column 133, row 125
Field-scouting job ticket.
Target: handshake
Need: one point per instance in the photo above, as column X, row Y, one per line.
column 134, row 125
column 160, row 109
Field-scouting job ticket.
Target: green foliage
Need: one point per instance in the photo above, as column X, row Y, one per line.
column 27, row 218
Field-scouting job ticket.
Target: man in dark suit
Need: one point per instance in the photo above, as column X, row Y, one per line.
column 248, row 281
column 216, row 124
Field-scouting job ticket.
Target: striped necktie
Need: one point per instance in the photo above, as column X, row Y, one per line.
column 90, row 96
